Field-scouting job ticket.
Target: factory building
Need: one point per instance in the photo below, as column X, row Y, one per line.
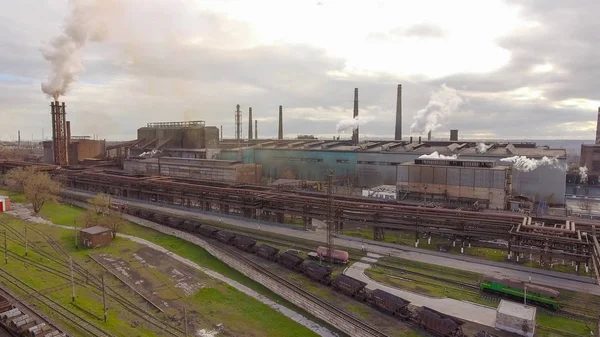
column 449, row 180
column 80, row 149
column 175, row 135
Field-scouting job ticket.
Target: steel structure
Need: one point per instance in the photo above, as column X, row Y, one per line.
column 187, row 124
column 59, row 133
column 238, row 122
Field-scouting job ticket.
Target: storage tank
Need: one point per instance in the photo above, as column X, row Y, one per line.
column 338, row 255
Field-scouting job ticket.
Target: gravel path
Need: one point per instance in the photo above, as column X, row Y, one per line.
column 22, row 212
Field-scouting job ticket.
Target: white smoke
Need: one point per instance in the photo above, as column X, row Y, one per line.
column 207, row 333
column 482, row 148
column 88, row 21
column 350, row 124
column 583, row 172
column 150, row 154
column 525, row 164
column 436, row 155
column 442, row 104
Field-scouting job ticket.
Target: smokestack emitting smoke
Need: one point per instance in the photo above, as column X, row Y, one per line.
column 88, row 21
column 598, row 128
column 583, row 174
column 436, row 155
column 398, row 133
column 442, row 104
column 355, row 116
column 524, row 164
column 280, row 132
column 249, row 123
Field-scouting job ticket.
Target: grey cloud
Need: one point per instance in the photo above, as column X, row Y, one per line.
column 422, row 30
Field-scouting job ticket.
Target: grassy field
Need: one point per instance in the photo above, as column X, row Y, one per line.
column 266, row 321
column 407, row 238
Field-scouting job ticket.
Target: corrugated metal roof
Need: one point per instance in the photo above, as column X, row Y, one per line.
column 95, row 230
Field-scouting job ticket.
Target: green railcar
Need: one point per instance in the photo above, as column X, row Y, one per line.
column 535, row 293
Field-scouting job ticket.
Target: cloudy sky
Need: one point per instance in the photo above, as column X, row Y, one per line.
column 524, row 69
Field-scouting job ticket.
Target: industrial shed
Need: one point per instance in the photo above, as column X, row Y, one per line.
column 97, row 236
column 4, row 203
column 468, row 181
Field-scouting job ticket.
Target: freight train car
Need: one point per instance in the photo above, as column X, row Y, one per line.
column 317, row 272
column 438, row 323
column 388, row 303
column 535, row 293
column 225, row 237
column 244, row 243
column 339, row 256
column 209, row 232
column 290, row 260
column 267, row 252
column 349, row 286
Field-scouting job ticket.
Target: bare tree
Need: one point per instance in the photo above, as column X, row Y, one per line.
column 100, row 203
column 586, row 205
column 102, row 214
column 17, row 177
column 40, row 188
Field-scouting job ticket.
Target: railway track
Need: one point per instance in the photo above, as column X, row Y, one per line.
column 84, row 325
column 356, row 324
column 83, row 278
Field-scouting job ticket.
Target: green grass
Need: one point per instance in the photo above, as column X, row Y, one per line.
column 287, row 327
column 561, row 324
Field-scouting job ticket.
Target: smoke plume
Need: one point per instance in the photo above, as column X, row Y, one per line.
column 583, row 174
column 442, row 104
column 88, row 21
column 525, row 164
column 436, row 155
column 350, row 124
column 482, row 148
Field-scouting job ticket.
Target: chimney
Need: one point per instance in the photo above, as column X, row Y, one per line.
column 250, row 123
column 398, row 134
column 598, row 128
column 65, row 139
column 238, row 122
column 221, row 132
column 429, row 136
column 454, row 135
column 355, row 131
column 68, row 141
column 255, row 129
column 419, row 139
column 410, row 140
column 280, row 133
column 19, row 139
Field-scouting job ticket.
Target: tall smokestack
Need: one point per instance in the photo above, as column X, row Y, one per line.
column 280, row 133
column 68, row 141
column 429, row 135
column 19, row 138
column 249, row 123
column 355, row 131
column 398, row 134
column 238, row 122
column 419, row 139
column 454, row 135
column 598, row 128
column 221, row 132
column 255, row 129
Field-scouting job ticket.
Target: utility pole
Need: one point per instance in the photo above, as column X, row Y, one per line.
column 104, row 297
column 330, row 224
column 72, row 282
column 5, row 249
column 185, row 321
column 75, row 226
column 25, row 239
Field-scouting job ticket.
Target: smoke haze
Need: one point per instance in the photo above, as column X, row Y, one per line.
column 88, row 21
column 583, row 172
column 482, row 148
column 436, row 155
column 442, row 104
column 350, row 124
column 525, row 164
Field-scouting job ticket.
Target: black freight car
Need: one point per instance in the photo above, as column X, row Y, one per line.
column 225, row 237
column 388, row 303
column 267, row 252
column 190, row 226
column 290, row 260
column 441, row 324
column 175, row 222
column 244, row 243
column 317, row 272
column 208, row 231
column 349, row 286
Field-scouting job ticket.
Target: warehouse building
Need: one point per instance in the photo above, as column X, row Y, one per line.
column 97, row 236
column 462, row 181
